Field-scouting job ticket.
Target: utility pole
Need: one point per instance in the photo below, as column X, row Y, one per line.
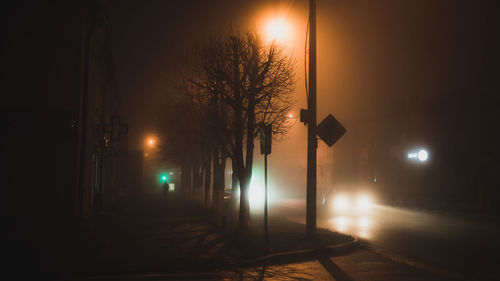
column 312, row 142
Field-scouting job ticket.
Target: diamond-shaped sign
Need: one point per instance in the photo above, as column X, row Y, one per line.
column 330, row 130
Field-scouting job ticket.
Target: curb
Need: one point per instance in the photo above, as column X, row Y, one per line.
column 299, row 254
column 276, row 258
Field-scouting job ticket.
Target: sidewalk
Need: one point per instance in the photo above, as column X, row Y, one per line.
column 154, row 235
column 151, row 238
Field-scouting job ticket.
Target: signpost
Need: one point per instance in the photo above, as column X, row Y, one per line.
column 266, row 132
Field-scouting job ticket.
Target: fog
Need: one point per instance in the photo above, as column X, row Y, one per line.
column 396, row 74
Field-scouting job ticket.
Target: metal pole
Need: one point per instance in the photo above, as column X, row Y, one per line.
column 83, row 115
column 311, row 126
column 265, row 201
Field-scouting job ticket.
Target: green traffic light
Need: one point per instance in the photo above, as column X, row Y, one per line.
column 164, row 176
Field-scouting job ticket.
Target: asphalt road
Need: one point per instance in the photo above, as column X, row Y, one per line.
column 452, row 245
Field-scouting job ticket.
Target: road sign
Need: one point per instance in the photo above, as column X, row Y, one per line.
column 265, row 139
column 330, row 130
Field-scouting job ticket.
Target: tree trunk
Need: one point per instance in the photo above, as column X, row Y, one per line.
column 185, row 172
column 219, row 161
column 235, row 185
column 208, row 177
column 197, row 178
column 245, row 172
column 244, row 216
column 234, row 180
column 190, row 180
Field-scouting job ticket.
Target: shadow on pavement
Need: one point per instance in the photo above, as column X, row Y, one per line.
column 150, row 234
column 335, row 271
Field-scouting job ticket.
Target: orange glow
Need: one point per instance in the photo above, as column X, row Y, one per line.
column 151, row 141
column 277, row 23
column 277, row 29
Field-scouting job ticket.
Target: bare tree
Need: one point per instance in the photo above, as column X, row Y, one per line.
column 187, row 140
column 250, row 83
column 216, row 115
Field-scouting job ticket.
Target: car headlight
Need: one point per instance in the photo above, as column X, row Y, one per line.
column 341, row 203
column 363, row 202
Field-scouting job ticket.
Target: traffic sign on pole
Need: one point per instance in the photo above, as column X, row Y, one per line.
column 265, row 139
column 330, row 130
column 266, row 132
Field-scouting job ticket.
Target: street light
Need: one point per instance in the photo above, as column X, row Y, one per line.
column 151, row 146
column 151, row 141
column 277, row 30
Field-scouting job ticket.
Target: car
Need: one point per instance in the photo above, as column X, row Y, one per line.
column 348, row 200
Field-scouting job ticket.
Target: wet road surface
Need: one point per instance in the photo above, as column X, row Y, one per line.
column 451, row 245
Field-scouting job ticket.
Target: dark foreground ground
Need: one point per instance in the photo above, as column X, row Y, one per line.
column 152, row 238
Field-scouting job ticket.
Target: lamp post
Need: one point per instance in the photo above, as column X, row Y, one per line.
column 277, row 30
column 312, row 142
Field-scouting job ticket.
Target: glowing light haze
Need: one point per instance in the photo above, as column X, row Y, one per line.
column 277, row 29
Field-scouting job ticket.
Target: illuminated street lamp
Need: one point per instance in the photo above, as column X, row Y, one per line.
column 277, row 30
column 151, row 147
column 151, row 141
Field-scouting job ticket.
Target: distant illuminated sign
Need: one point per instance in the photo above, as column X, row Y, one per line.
column 422, row 155
column 412, row 155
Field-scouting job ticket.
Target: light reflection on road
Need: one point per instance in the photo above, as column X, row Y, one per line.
column 412, row 235
column 381, row 221
column 358, row 224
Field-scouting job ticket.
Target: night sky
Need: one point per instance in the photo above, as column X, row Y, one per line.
column 375, row 58
column 404, row 73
